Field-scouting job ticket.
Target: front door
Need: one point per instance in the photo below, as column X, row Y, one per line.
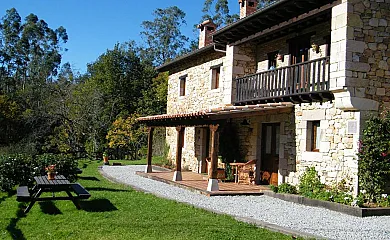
column 270, row 153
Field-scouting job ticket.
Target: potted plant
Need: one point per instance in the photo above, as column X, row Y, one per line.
column 51, row 172
column 105, row 158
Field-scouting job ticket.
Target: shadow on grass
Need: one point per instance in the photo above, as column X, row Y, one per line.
column 11, row 228
column 9, row 194
column 48, row 207
column 98, row 205
column 88, row 178
column 105, row 189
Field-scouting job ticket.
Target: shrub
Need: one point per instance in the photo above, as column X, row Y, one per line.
column 21, row 169
column 384, row 200
column 310, row 184
column 274, row 188
column 374, row 157
column 15, row 169
column 65, row 164
column 287, row 188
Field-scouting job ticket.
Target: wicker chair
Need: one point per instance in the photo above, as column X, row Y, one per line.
column 246, row 172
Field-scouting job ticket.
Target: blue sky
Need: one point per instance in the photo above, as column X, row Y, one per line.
column 94, row 26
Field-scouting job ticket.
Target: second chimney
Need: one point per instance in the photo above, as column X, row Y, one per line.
column 206, row 30
column 247, row 7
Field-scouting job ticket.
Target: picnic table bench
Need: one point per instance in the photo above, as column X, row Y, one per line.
column 59, row 184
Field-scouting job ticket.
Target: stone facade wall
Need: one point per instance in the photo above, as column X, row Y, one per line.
column 198, row 93
column 370, row 23
column 242, row 61
column 360, row 55
column 337, row 156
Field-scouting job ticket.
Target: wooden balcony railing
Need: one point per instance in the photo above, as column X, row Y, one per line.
column 301, row 82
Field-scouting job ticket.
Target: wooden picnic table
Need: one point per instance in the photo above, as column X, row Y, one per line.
column 59, row 184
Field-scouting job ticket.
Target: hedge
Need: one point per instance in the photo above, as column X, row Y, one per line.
column 19, row 169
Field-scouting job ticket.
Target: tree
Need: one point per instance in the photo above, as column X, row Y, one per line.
column 30, row 56
column 265, row 3
column 154, row 100
column 127, row 136
column 162, row 36
column 121, row 77
column 218, row 11
column 116, row 83
column 30, row 52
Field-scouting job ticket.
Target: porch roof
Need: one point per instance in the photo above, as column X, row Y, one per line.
column 212, row 115
column 272, row 15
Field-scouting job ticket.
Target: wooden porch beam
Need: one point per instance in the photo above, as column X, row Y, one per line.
column 179, row 148
column 150, row 150
column 213, row 181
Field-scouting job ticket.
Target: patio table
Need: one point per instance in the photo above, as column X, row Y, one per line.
column 59, row 184
column 236, row 166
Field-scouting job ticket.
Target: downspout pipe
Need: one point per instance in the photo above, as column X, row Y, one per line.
column 218, row 50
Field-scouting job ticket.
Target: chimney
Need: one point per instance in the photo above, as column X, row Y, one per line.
column 247, row 7
column 206, row 30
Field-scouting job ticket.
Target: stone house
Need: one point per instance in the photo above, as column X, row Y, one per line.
column 295, row 80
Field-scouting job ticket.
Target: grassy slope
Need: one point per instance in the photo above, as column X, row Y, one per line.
column 117, row 212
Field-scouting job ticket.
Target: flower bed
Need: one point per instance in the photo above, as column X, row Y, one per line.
column 338, row 207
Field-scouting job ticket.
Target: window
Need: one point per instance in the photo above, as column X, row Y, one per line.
column 272, row 59
column 182, row 85
column 313, row 136
column 251, row 4
column 215, row 74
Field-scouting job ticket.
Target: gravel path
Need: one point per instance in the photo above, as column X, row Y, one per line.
column 263, row 209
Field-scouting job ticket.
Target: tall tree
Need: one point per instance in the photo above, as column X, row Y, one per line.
column 121, row 77
column 30, row 56
column 265, row 3
column 218, row 11
column 163, row 37
column 30, row 52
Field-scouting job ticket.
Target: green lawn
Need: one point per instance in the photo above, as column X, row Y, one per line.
column 117, row 212
column 155, row 161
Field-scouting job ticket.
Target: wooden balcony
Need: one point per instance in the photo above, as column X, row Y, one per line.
column 298, row 83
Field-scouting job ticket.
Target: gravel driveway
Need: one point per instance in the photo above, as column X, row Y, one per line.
column 263, row 210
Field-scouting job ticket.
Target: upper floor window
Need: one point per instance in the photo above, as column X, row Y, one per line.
column 182, row 91
column 215, row 76
column 313, row 136
column 272, row 59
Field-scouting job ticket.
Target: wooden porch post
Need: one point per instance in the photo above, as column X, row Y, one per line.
column 150, row 150
column 213, row 181
column 179, row 147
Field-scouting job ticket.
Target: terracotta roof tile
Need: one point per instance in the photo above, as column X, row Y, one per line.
column 209, row 113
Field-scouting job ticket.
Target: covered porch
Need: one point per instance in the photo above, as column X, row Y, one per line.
column 197, row 182
column 213, row 119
